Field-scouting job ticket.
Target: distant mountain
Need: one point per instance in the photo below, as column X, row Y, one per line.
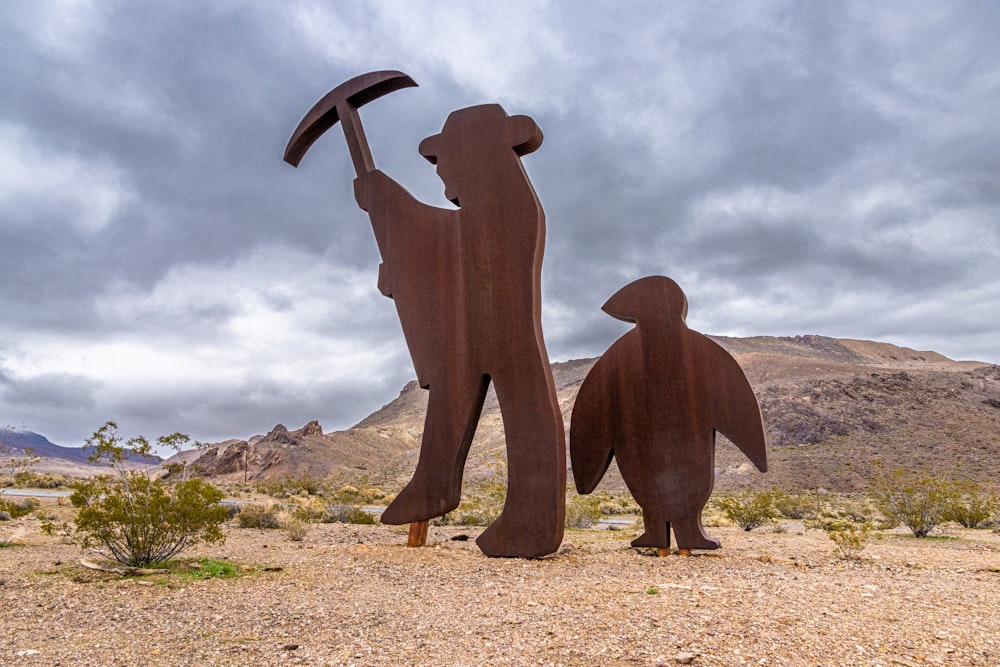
column 18, row 441
column 830, row 406
column 54, row 457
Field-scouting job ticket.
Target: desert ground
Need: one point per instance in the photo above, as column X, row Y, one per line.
column 356, row 595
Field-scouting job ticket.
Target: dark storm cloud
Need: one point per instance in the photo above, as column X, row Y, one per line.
column 825, row 168
column 49, row 391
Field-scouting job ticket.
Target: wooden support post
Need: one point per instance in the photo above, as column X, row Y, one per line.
column 418, row 534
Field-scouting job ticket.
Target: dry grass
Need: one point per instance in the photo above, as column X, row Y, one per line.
column 356, row 595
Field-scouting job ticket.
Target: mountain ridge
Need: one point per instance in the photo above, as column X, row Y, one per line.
column 831, row 407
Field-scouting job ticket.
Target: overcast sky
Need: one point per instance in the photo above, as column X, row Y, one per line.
column 822, row 168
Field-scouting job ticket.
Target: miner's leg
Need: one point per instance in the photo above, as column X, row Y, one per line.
column 436, row 488
column 531, row 524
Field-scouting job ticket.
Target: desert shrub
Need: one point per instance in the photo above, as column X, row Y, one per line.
column 305, row 484
column 348, row 514
column 484, row 499
column 919, row 503
column 295, row 528
column 15, row 509
column 12, row 462
column 849, row 538
column 483, row 504
column 137, row 520
column 29, row 479
column 582, row 511
column 613, row 504
column 972, row 507
column 835, row 510
column 749, row 509
column 310, row 509
column 796, row 505
column 349, row 494
column 446, row 519
column 258, row 515
column 856, row 510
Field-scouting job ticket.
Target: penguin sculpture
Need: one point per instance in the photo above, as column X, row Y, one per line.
column 654, row 401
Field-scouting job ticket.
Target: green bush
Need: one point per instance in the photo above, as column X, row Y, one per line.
column 797, row 506
column 15, row 509
column 972, row 507
column 361, row 494
column 484, row 499
column 616, row 504
column 309, row 509
column 305, row 484
column 850, row 538
column 258, row 516
column 582, row 511
column 919, row 503
column 295, row 528
column 12, row 463
column 137, row 520
column 28, row 479
column 348, row 514
column 749, row 509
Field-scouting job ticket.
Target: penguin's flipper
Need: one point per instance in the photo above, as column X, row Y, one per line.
column 734, row 407
column 591, row 430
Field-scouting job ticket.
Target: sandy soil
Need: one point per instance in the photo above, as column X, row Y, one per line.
column 356, row 595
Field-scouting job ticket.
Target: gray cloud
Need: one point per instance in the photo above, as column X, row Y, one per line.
column 798, row 168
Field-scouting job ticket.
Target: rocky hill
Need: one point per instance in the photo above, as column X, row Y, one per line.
column 831, row 407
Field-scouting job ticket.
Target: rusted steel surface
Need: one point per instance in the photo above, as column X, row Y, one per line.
column 342, row 104
column 654, row 401
column 418, row 534
column 466, row 284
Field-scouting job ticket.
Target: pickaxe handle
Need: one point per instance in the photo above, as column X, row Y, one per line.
column 357, row 142
column 341, row 104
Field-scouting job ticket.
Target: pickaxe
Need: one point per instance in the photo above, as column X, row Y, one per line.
column 342, row 104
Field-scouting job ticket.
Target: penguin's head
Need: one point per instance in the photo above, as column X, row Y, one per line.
column 650, row 298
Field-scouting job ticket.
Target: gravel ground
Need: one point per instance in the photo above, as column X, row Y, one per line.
column 356, row 595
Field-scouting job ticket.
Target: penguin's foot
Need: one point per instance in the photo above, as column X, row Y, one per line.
column 691, row 535
column 698, row 543
column 648, row 540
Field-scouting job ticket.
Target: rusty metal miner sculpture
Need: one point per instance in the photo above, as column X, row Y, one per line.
column 654, row 401
column 466, row 284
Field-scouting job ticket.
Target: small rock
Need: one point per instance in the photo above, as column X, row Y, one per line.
column 684, row 658
column 26, row 653
column 289, row 647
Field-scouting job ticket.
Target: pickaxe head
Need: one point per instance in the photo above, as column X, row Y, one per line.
column 341, row 104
